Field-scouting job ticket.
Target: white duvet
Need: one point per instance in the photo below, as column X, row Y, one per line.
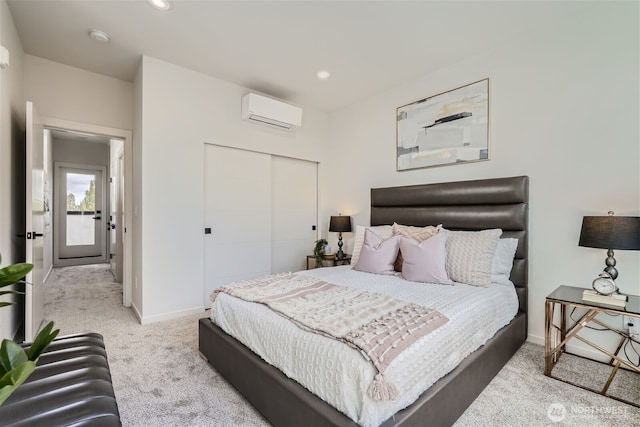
column 338, row 373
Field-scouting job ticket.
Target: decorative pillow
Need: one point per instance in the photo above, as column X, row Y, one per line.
column 383, row 231
column 419, row 234
column 425, row 261
column 470, row 255
column 377, row 255
column 503, row 261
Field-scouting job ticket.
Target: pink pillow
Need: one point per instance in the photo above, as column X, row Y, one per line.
column 425, row 261
column 377, row 255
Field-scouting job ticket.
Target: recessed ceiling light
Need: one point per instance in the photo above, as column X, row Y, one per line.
column 160, row 4
column 99, row 36
column 323, row 74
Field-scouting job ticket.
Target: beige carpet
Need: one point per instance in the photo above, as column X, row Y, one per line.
column 160, row 379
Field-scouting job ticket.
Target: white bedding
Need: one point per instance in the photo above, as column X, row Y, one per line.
column 338, row 373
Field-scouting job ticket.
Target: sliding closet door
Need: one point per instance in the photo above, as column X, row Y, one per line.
column 293, row 212
column 260, row 215
column 238, row 213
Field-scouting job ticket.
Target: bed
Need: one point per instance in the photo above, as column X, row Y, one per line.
column 467, row 205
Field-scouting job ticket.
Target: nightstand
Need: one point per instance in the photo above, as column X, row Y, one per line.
column 556, row 337
column 327, row 262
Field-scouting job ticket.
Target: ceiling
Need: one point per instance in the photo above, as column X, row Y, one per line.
column 277, row 47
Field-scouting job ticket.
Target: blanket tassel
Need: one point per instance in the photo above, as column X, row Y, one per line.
column 381, row 389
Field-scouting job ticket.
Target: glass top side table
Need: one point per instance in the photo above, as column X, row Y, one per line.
column 555, row 344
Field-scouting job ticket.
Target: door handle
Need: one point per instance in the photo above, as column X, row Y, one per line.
column 97, row 217
column 30, row 235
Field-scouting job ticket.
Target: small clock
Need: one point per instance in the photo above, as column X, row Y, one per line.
column 604, row 284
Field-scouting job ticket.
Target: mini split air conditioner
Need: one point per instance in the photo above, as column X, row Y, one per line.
column 260, row 109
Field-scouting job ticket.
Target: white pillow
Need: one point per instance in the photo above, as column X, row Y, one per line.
column 503, row 261
column 470, row 255
column 383, row 231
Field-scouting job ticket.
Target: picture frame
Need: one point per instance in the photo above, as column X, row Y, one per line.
column 448, row 128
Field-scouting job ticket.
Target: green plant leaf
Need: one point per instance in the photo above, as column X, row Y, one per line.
column 4, row 304
column 42, row 341
column 11, row 292
column 14, row 378
column 14, row 273
column 11, row 355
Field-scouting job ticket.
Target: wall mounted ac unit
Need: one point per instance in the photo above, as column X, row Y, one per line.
column 260, row 109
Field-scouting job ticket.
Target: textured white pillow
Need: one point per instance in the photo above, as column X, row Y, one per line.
column 377, row 255
column 470, row 255
column 383, row 231
column 503, row 261
column 419, row 234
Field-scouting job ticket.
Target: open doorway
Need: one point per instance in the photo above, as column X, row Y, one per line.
column 90, row 195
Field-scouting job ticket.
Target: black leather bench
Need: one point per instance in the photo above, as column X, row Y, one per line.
column 71, row 386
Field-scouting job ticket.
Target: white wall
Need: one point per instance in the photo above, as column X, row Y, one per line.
column 181, row 110
column 63, row 92
column 138, row 196
column 12, row 125
column 564, row 109
column 80, row 152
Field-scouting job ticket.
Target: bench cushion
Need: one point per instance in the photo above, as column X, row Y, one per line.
column 71, row 385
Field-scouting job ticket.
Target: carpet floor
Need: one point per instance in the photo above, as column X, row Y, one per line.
column 160, row 379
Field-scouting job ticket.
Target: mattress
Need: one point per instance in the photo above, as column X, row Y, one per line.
column 339, row 374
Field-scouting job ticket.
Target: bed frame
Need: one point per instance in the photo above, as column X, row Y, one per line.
column 464, row 205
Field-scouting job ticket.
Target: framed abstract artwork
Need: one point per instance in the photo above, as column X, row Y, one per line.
column 448, row 128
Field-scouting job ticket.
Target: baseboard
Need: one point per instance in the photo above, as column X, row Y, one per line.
column 46, row 276
column 171, row 315
column 579, row 349
column 535, row 339
column 136, row 312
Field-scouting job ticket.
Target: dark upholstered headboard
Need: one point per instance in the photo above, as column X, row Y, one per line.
column 464, row 205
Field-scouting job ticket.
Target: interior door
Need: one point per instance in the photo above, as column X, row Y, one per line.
column 35, row 208
column 81, row 219
column 237, row 216
column 294, row 212
column 116, row 235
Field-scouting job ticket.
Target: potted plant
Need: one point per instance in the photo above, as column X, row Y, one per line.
column 16, row 364
column 318, row 251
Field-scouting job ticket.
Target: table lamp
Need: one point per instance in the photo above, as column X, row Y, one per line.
column 610, row 232
column 340, row 224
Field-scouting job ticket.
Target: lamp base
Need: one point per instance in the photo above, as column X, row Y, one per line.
column 340, row 254
column 611, row 265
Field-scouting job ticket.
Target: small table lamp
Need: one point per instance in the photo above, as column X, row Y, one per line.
column 610, row 232
column 340, row 224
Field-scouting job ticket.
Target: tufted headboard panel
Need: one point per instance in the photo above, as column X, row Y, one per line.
column 464, row 205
